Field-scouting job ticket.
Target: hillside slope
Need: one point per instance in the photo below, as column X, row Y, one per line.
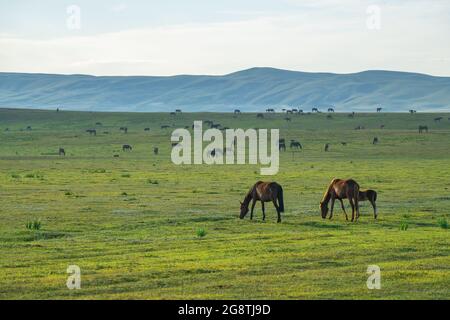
column 250, row 90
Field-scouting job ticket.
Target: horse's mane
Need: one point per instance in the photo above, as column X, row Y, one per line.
column 326, row 195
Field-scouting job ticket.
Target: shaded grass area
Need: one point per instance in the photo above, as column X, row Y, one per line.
column 132, row 223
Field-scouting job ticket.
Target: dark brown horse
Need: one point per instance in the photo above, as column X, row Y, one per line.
column 264, row 192
column 341, row 189
column 366, row 195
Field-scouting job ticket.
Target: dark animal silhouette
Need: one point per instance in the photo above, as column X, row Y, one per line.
column 329, row 116
column 92, row 131
column 315, row 110
column 29, row 128
column 62, row 152
column 341, row 189
column 270, row 110
column 237, row 111
column 155, row 151
column 124, row 129
column 344, row 143
column 146, row 129
column 330, row 110
column 260, row 115
column 327, row 147
column 382, row 126
column 412, row 111
column 178, row 110
column 295, row 144
column 423, row 128
column 264, row 192
column 165, row 127
column 127, row 147
column 375, row 140
column 438, row 119
column 379, row 109
column 287, row 119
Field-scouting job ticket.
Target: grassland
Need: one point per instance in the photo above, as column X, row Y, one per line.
column 132, row 223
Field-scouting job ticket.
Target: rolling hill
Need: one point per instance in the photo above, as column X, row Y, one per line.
column 249, row 90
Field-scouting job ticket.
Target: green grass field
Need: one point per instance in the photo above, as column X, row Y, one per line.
column 131, row 223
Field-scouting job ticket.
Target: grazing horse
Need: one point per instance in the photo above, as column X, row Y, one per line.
column 438, row 119
column 366, row 195
column 295, row 144
column 155, row 151
column 165, row 127
column 260, row 115
column 330, row 110
column 237, row 111
column 146, row 129
column 62, row 152
column 423, row 128
column 264, row 192
column 375, row 140
column 282, row 146
column 92, row 131
column 127, row 147
column 379, row 109
column 327, row 147
column 341, row 189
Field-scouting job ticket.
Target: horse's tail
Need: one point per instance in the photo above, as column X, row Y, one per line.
column 374, row 196
column 280, row 199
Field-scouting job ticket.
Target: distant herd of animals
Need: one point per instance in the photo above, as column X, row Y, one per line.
column 338, row 189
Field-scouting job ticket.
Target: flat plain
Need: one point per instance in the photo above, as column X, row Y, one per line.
column 140, row 227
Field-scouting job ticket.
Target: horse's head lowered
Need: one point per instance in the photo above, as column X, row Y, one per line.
column 324, row 209
column 244, row 210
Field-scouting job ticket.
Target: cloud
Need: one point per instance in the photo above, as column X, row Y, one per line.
column 119, row 7
column 320, row 40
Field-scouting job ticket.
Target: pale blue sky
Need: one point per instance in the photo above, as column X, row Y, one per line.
column 216, row 37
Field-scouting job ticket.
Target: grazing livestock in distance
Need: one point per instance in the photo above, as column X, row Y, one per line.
column 344, row 143
column 146, row 129
column 327, row 147
column 379, row 109
column 92, row 132
column 329, row 116
column 375, row 140
column 341, row 189
column 178, row 110
column 237, row 111
column 438, row 119
column 270, row 110
column 155, row 151
column 287, row 119
column 315, row 110
column 412, row 111
column 98, row 123
column 62, row 152
column 423, row 128
column 260, row 116
column 165, row 127
column 264, row 192
column 295, row 144
column 127, row 147
column 382, row 126
column 330, row 110
column 124, row 129
column 282, row 146
column 366, row 195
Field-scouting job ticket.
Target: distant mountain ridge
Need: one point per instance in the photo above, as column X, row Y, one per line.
column 248, row 90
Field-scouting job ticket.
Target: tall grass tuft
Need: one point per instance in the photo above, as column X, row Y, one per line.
column 404, row 225
column 201, row 233
column 443, row 223
column 33, row 225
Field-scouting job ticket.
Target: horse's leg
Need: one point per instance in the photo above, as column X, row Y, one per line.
column 263, row 211
column 343, row 209
column 374, row 205
column 357, row 208
column 253, row 207
column 332, row 207
column 278, row 209
column 350, row 199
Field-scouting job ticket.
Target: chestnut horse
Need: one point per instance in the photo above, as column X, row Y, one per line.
column 264, row 192
column 366, row 195
column 341, row 189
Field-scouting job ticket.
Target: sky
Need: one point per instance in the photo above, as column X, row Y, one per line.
column 138, row 37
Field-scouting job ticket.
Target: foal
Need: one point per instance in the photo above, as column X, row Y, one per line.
column 341, row 189
column 264, row 192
